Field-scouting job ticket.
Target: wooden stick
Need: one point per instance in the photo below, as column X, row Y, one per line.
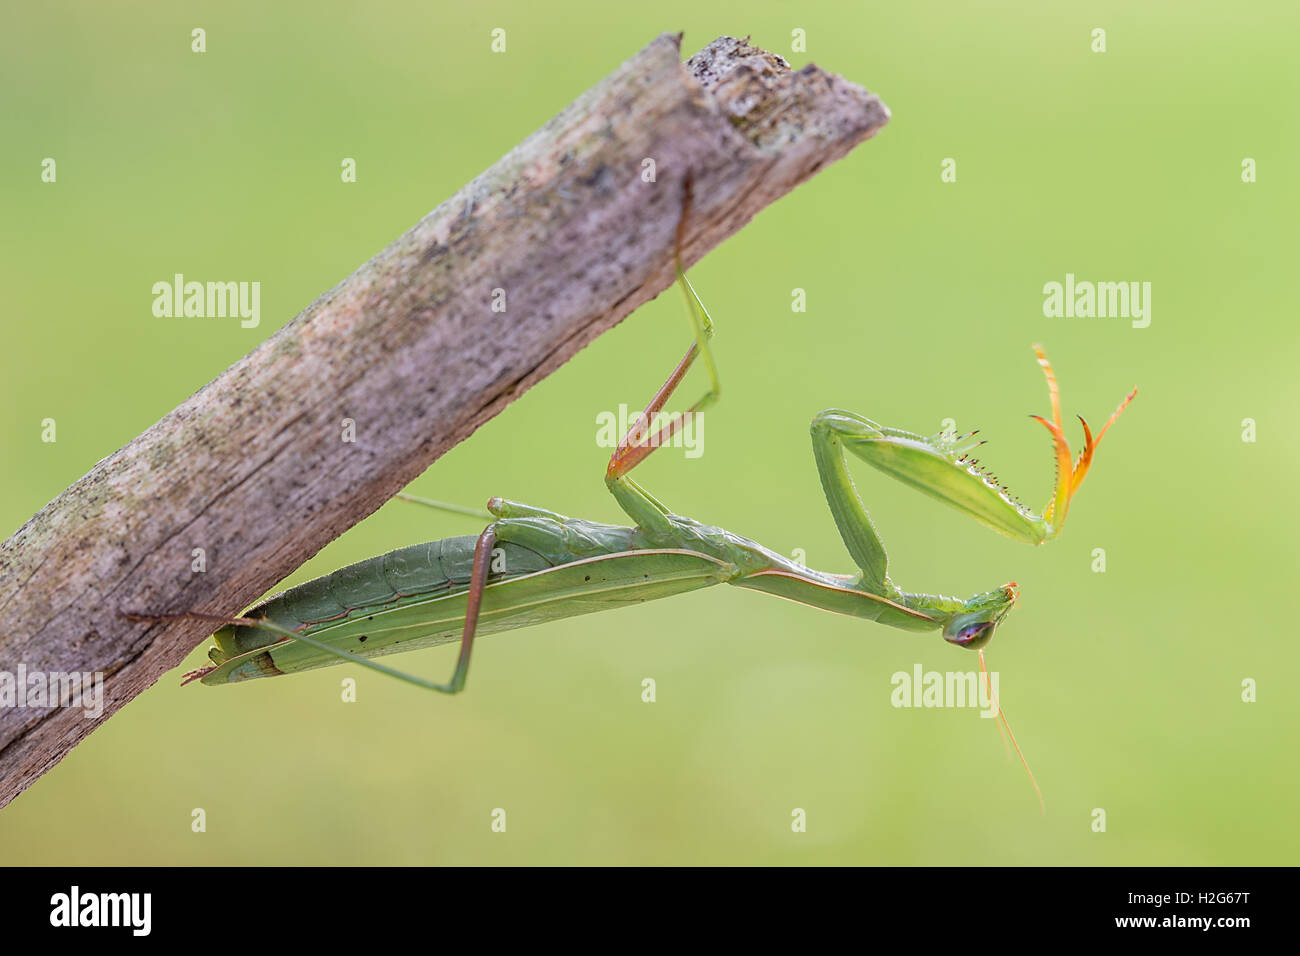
column 570, row 231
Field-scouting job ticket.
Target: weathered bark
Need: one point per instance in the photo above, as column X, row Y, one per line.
column 252, row 468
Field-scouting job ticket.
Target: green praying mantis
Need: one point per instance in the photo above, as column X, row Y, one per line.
column 531, row 565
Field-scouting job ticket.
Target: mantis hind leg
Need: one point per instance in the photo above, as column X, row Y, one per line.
column 640, row 441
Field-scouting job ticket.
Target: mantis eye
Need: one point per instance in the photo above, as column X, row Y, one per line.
column 973, row 635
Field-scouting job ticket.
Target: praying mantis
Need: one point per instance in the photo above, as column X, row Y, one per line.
column 531, row 565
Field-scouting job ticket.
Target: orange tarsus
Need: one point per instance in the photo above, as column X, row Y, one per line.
column 1059, row 443
column 1053, row 389
column 1063, row 471
column 1085, row 457
column 1068, row 478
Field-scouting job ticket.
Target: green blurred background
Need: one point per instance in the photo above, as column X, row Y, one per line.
column 923, row 300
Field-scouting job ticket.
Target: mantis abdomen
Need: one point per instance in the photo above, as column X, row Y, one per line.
column 416, row 597
column 428, row 568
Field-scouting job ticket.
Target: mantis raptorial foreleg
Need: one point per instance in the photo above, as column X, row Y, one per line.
column 850, row 514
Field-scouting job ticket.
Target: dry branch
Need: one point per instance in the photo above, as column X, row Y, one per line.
column 564, row 223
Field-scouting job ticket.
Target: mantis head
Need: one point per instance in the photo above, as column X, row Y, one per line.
column 943, row 468
column 973, row 626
